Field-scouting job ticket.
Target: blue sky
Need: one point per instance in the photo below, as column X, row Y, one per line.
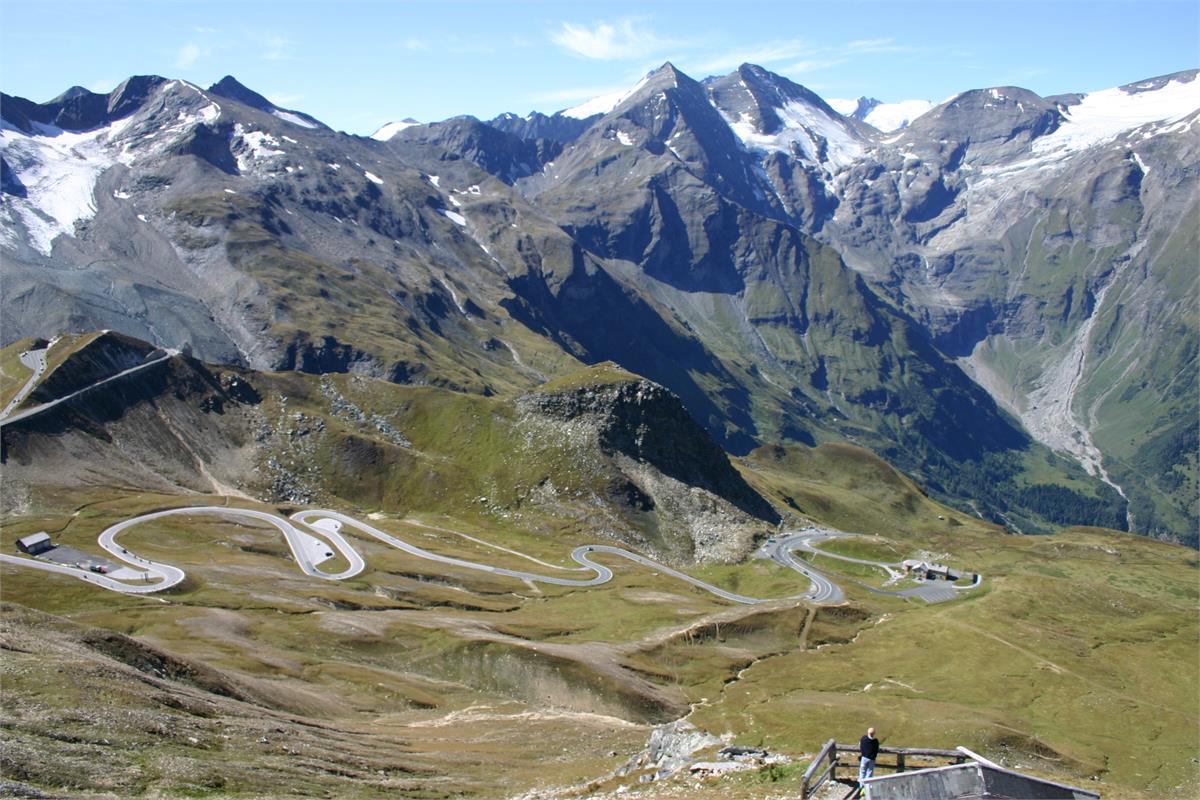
column 356, row 64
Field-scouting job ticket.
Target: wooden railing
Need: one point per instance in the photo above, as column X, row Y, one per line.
column 813, row 781
column 904, row 758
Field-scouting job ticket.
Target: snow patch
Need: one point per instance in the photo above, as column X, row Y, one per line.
column 59, row 170
column 885, row 117
column 373, row 178
column 391, row 129
column 842, row 105
column 624, row 138
column 434, row 179
column 295, row 119
column 604, row 103
column 117, row 193
column 805, row 127
column 258, row 146
column 455, row 217
column 888, row 117
column 1103, row 116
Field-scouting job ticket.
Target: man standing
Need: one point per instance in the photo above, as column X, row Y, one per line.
column 868, row 748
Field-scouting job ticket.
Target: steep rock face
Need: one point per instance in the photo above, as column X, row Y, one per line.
column 644, row 421
column 663, row 464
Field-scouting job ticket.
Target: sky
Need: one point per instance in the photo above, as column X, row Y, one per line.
column 357, row 64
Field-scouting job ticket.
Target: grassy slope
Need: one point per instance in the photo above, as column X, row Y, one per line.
column 1143, row 396
column 848, row 488
column 1076, row 658
column 436, row 344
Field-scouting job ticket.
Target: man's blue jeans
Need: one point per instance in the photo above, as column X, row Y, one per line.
column 866, row 768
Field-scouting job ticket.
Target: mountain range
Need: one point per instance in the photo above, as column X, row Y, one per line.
column 998, row 297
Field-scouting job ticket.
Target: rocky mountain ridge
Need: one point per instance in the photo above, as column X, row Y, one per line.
column 792, row 274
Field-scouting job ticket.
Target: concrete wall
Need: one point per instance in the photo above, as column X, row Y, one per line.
column 969, row 782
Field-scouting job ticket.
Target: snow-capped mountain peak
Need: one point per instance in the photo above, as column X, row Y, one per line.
column 769, row 113
column 231, row 88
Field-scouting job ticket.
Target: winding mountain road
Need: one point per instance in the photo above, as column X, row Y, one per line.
column 315, row 535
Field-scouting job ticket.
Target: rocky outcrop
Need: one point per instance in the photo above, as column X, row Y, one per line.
column 649, row 424
column 657, row 463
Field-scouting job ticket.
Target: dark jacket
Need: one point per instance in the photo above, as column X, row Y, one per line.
column 868, row 747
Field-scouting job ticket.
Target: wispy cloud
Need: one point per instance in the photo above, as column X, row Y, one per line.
column 413, row 43
column 803, row 56
column 813, row 64
column 888, row 45
column 275, row 48
column 573, row 94
column 767, row 53
column 188, row 55
column 205, row 29
column 609, row 41
column 102, row 85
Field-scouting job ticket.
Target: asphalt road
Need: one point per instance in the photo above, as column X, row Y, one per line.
column 780, row 551
column 326, row 527
column 329, row 524
column 581, row 555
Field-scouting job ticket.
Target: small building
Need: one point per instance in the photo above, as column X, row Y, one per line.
column 35, row 543
column 971, row 781
column 928, row 570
